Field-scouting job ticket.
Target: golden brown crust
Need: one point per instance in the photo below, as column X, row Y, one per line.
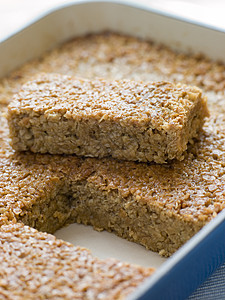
column 35, row 265
column 125, row 119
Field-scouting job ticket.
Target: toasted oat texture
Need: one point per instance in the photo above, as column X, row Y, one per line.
column 36, row 265
column 158, row 206
column 97, row 118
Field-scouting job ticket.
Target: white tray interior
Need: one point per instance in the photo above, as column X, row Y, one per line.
column 104, row 244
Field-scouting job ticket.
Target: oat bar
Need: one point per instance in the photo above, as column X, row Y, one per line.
column 159, row 206
column 124, row 119
column 36, row 265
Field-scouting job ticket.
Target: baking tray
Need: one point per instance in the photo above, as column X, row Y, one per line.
column 178, row 276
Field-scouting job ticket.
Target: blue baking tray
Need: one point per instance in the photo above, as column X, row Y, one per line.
column 193, row 263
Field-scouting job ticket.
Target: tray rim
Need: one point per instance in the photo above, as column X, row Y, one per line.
column 130, row 3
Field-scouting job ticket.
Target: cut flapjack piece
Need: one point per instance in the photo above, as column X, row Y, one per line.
column 159, row 206
column 123, row 119
column 36, row 265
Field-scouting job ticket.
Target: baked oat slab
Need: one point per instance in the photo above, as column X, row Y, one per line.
column 36, row 265
column 125, row 119
column 158, row 206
